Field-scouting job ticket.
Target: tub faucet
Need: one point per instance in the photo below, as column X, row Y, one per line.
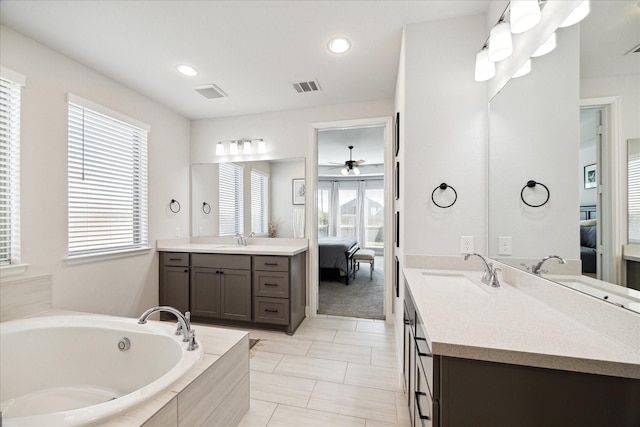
column 182, row 320
column 537, row 268
column 490, row 275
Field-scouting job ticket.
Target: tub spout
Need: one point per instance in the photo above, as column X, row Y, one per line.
column 182, row 320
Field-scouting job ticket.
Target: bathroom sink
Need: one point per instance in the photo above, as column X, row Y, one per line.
column 454, row 282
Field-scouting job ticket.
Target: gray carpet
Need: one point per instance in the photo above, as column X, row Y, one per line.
column 363, row 298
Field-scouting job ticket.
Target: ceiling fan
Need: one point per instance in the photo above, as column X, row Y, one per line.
column 350, row 165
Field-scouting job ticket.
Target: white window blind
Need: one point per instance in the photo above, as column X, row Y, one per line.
column 107, row 183
column 9, row 171
column 259, row 202
column 634, row 196
column 231, row 203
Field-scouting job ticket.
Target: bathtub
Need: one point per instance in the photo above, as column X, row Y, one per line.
column 71, row 371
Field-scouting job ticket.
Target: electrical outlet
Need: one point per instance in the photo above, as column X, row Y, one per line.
column 504, row 245
column 466, row 245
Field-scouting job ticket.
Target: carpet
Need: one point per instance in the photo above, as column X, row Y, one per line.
column 362, row 298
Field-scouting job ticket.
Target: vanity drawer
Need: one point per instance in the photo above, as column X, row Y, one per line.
column 271, row 284
column 426, row 360
column 178, row 259
column 271, row 310
column 271, row 263
column 426, row 412
column 232, row 262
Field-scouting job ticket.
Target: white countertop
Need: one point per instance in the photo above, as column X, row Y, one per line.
column 506, row 325
column 255, row 246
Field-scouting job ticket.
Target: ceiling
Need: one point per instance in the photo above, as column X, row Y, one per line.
column 252, row 50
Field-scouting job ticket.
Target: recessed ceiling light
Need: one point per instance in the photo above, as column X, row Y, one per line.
column 339, row 45
column 187, row 70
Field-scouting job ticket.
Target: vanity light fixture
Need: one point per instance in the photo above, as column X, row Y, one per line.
column 187, row 70
column 262, row 147
column 500, row 43
column 524, row 70
column 578, row 14
column 485, row 69
column 233, row 148
column 242, row 146
column 219, row 149
column 546, row 47
column 524, row 15
column 339, row 45
column 246, row 147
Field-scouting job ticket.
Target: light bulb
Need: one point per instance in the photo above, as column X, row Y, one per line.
column 525, row 14
column 345, row 171
column 339, row 45
column 546, row 47
column 219, row 149
column 187, row 70
column 485, row 69
column 578, row 14
column 500, row 44
column 356, row 171
column 524, row 70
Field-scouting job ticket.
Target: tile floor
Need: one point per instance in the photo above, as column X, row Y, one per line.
column 333, row 372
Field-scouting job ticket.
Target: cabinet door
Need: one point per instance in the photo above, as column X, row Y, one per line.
column 205, row 292
column 235, row 294
column 174, row 287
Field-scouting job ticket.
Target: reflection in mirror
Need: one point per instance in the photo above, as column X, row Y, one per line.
column 246, row 197
column 633, row 189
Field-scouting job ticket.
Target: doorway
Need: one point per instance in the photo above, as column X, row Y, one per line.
column 350, row 204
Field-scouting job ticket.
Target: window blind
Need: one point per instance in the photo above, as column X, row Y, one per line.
column 9, row 171
column 231, row 204
column 634, row 197
column 259, row 202
column 107, row 183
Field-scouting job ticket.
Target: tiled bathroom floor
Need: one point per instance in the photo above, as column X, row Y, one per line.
column 334, row 372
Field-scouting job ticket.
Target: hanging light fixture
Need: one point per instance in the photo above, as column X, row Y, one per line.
column 500, row 44
column 546, row 47
column 524, row 70
column 524, row 15
column 219, row 149
column 578, row 14
column 485, row 69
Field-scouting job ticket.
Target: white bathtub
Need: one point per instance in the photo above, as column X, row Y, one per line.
column 69, row 371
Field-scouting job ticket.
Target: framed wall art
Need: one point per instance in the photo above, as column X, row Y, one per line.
column 298, row 191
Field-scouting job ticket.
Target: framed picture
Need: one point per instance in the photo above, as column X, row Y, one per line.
column 298, row 191
column 397, row 182
column 397, row 134
column 590, row 178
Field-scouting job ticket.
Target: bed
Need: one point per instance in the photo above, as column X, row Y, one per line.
column 336, row 252
column 588, row 239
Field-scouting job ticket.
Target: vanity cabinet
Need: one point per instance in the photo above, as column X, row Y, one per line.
column 174, row 281
column 221, row 286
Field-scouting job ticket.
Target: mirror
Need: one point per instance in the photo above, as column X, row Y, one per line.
column 207, row 215
column 534, row 136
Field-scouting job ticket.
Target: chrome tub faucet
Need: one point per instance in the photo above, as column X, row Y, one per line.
column 184, row 324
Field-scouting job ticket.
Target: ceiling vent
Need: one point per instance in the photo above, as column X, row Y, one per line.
column 310, row 86
column 635, row 49
column 210, row 91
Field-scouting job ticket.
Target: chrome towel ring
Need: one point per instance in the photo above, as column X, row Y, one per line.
column 443, row 187
column 174, row 206
column 531, row 184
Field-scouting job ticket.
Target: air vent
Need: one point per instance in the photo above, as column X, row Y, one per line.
column 310, row 86
column 635, row 49
column 210, row 91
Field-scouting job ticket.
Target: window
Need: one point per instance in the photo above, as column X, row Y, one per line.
column 231, row 199
column 633, row 196
column 10, row 167
column 259, row 202
column 107, row 180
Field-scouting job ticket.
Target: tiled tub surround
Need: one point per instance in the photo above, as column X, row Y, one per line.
column 528, row 321
column 214, row 393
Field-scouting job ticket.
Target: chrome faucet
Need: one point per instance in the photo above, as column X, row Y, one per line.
column 241, row 240
column 184, row 324
column 490, row 275
column 537, row 268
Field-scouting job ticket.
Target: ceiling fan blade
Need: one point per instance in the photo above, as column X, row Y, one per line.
column 335, row 163
column 359, row 162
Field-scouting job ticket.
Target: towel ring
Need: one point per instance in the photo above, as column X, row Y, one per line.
column 206, row 208
column 174, row 206
column 443, row 187
column 531, row 184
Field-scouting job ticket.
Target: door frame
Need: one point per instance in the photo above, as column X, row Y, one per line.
column 312, row 206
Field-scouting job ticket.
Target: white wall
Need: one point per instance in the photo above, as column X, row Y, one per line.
column 124, row 286
column 587, row 155
column 445, row 132
column 281, row 208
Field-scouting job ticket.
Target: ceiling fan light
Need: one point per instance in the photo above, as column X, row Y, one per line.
column 345, row 171
column 356, row 170
column 546, row 47
column 525, row 14
column 485, row 69
column 500, row 44
column 578, row 14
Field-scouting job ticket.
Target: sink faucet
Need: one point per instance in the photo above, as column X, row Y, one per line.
column 537, row 268
column 241, row 240
column 184, row 323
column 490, row 276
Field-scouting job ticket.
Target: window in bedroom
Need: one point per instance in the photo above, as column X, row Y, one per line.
column 231, row 203
column 107, row 162
column 10, row 88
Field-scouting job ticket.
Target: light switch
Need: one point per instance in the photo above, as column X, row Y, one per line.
column 504, row 245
